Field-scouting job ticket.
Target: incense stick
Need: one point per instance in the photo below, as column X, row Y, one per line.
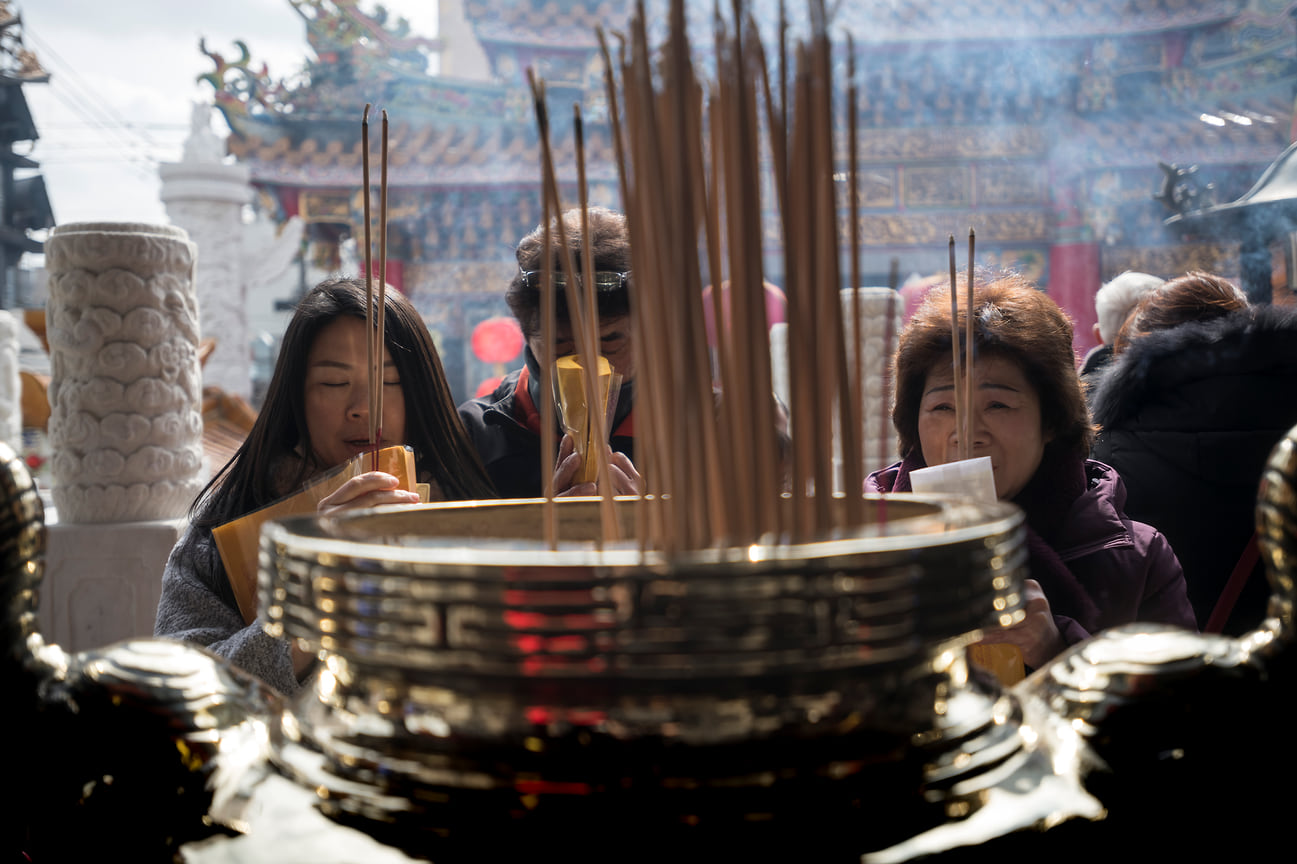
column 598, row 434
column 642, row 515
column 648, row 228
column 380, row 331
column 769, row 483
column 969, row 412
column 369, row 270
column 738, row 514
column 884, row 416
column 954, row 349
column 549, row 513
column 857, row 340
column 674, row 206
column 546, row 361
column 848, row 416
column 572, row 292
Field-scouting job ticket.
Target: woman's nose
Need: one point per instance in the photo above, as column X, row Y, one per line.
column 358, row 405
column 977, row 428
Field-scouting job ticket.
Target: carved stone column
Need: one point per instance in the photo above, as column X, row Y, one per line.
column 11, row 402
column 880, row 327
column 126, row 422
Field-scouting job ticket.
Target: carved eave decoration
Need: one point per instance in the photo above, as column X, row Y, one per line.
column 422, row 155
column 18, row 63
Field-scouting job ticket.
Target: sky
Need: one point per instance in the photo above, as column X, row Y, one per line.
column 123, row 82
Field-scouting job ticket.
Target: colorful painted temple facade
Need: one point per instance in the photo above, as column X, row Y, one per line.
column 1041, row 124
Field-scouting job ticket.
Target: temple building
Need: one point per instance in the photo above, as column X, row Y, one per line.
column 24, row 204
column 1040, row 124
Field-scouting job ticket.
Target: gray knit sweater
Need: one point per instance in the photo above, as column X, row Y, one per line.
column 192, row 610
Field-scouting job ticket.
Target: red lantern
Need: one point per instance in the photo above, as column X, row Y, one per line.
column 497, row 340
column 487, row 387
column 776, row 306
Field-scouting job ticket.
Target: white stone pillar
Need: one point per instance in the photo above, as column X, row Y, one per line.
column 881, row 319
column 880, row 328
column 461, row 53
column 205, row 196
column 126, row 425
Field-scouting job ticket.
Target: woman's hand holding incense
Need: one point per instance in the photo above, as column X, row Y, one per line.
column 625, row 479
column 1037, row 634
column 372, row 489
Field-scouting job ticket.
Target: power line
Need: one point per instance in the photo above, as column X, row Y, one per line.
column 127, row 149
column 159, row 127
column 92, row 98
column 84, row 102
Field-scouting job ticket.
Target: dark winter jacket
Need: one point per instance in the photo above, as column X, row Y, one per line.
column 1092, row 368
column 1188, row 417
column 505, row 429
column 1097, row 567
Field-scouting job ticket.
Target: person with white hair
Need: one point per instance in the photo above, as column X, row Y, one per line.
column 1113, row 302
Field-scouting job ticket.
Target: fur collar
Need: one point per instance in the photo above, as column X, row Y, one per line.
column 1255, row 338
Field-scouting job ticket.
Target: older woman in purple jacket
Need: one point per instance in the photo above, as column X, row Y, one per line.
column 1091, row 567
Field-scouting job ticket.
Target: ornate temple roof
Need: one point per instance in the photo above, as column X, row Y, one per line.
column 1043, row 121
column 571, row 23
column 987, row 114
column 420, row 154
column 1157, row 57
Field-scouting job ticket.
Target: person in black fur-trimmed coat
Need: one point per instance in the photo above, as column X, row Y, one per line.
column 1188, row 416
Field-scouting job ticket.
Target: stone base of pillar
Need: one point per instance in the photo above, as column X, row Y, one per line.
column 103, row 580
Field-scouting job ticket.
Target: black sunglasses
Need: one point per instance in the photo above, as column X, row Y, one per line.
column 604, row 280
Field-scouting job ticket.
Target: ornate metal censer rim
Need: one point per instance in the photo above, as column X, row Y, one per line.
column 414, row 594
column 506, row 533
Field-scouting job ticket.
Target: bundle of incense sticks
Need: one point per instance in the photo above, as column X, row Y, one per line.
column 691, row 155
column 962, row 373
column 375, row 317
column 582, row 315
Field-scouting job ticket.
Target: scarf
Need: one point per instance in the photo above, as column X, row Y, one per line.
column 527, row 397
column 1047, row 500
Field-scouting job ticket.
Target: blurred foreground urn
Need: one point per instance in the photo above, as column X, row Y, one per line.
column 125, row 394
column 483, row 693
column 123, row 748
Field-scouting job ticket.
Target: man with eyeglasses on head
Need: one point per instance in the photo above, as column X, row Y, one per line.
column 505, row 426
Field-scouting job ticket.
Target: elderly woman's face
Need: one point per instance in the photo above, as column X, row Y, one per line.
column 1006, row 422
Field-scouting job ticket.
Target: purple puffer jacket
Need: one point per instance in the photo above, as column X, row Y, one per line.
column 1100, row 568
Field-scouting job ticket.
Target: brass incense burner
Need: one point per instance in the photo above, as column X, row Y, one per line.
column 483, row 692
